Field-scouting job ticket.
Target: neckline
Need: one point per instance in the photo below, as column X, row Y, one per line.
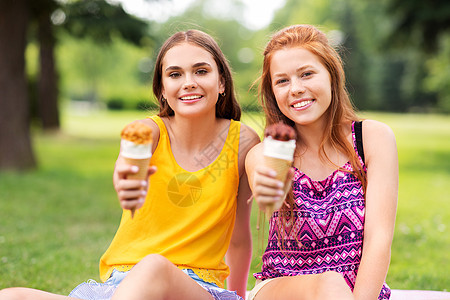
column 326, row 179
column 204, row 168
column 343, row 167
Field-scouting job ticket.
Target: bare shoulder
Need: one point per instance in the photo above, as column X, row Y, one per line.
column 248, row 138
column 378, row 140
column 257, row 150
column 255, row 154
column 373, row 130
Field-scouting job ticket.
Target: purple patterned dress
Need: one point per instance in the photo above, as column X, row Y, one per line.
column 328, row 221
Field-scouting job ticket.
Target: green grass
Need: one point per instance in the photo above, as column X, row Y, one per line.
column 56, row 221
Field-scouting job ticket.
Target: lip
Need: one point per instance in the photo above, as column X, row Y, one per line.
column 191, row 98
column 305, row 103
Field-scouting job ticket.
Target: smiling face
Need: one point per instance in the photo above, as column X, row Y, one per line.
column 190, row 79
column 301, row 85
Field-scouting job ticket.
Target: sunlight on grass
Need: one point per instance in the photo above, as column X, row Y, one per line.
column 56, row 221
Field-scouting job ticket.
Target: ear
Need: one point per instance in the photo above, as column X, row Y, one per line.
column 221, row 85
column 163, row 92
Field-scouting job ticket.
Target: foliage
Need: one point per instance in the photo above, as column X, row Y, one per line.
column 419, row 23
column 102, row 21
column 99, row 72
column 439, row 74
column 379, row 75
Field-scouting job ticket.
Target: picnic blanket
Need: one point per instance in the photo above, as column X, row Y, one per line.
column 418, row 295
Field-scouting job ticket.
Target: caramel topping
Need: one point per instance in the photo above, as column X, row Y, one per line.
column 138, row 133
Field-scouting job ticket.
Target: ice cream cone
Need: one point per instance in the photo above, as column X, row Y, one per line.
column 142, row 164
column 278, row 156
column 136, row 149
column 281, row 166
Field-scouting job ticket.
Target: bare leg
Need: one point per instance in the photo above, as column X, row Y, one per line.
column 156, row 278
column 325, row 286
column 18, row 293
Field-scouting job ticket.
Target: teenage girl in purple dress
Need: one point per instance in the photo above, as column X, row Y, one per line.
column 332, row 237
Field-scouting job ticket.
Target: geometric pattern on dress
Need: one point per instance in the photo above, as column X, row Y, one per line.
column 323, row 231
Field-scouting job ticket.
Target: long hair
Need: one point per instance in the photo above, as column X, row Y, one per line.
column 340, row 111
column 227, row 106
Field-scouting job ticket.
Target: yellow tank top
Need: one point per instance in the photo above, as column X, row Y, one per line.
column 188, row 217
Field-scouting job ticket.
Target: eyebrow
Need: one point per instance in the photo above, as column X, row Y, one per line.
column 297, row 70
column 196, row 65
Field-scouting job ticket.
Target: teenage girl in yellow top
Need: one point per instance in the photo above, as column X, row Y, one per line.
column 175, row 245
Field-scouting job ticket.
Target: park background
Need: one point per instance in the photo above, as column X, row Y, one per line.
column 73, row 73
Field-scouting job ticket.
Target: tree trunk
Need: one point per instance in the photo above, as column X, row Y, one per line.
column 48, row 78
column 15, row 142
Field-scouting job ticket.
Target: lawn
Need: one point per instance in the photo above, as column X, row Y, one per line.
column 56, row 221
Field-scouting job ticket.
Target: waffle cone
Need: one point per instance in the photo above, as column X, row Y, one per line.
column 142, row 164
column 281, row 166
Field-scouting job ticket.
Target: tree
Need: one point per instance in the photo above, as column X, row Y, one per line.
column 419, row 23
column 47, row 98
column 15, row 143
column 96, row 18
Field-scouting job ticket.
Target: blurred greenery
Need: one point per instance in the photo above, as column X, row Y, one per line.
column 56, row 222
column 382, row 75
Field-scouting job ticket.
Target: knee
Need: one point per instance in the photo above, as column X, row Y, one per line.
column 333, row 286
column 12, row 294
column 156, row 266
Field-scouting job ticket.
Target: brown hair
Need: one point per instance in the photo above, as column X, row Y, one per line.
column 340, row 111
column 227, row 106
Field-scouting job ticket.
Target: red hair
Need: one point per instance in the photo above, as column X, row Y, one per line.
column 340, row 112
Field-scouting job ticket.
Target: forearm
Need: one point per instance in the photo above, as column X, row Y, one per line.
column 238, row 259
column 372, row 271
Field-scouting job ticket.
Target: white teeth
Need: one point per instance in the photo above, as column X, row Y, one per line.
column 191, row 97
column 302, row 104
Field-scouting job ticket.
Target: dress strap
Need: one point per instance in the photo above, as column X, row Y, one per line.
column 359, row 140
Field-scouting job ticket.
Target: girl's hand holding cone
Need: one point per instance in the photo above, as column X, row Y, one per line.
column 269, row 191
column 135, row 152
column 131, row 192
column 272, row 179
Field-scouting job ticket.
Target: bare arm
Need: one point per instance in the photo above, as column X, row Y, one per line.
column 239, row 253
column 381, row 205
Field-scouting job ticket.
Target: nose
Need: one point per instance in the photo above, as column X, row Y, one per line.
column 189, row 83
column 297, row 87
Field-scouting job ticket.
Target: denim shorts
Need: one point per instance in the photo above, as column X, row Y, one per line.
column 92, row 290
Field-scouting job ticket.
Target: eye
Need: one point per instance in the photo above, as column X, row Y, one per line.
column 280, row 81
column 174, row 75
column 201, row 71
column 307, row 74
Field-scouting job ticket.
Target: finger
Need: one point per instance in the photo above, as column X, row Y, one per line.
column 264, row 202
column 129, row 195
column 151, row 170
column 261, row 190
column 131, row 184
column 266, row 171
column 123, row 170
column 268, row 182
column 132, row 204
